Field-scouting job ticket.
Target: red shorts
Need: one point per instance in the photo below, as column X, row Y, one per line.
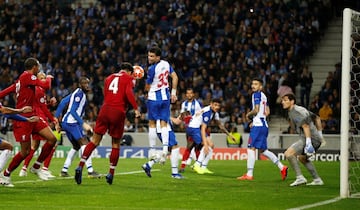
column 112, row 120
column 24, row 130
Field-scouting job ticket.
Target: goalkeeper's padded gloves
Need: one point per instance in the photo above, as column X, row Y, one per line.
column 309, row 149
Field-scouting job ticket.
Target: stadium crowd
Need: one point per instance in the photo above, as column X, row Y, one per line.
column 216, row 47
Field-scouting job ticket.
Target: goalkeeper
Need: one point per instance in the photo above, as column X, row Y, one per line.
column 302, row 122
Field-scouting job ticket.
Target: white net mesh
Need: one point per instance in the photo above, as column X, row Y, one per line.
column 354, row 137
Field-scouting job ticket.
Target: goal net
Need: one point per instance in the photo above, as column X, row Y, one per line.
column 350, row 112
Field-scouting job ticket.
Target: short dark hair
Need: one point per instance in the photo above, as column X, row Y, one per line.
column 216, row 100
column 156, row 50
column 290, row 96
column 259, row 80
column 127, row 66
column 83, row 79
column 30, row 63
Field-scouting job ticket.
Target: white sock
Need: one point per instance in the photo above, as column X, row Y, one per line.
column 191, row 157
column 174, row 159
column 69, row 158
column 152, row 137
column 207, row 158
column 88, row 162
column 250, row 162
column 165, row 139
column 4, row 157
column 273, row 158
column 201, row 157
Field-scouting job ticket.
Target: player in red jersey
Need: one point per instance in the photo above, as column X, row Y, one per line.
column 6, row 147
column 42, row 110
column 118, row 95
column 25, row 95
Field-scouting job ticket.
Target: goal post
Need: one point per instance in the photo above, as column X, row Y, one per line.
column 345, row 101
column 350, row 105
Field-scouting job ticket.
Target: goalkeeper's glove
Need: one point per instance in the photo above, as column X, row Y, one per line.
column 309, row 149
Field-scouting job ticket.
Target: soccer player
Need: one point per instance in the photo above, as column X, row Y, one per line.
column 42, row 110
column 197, row 130
column 302, row 121
column 25, row 93
column 159, row 97
column 192, row 105
column 259, row 131
column 6, row 147
column 173, row 149
column 118, row 95
column 74, row 126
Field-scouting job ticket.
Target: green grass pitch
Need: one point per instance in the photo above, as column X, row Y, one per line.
column 132, row 189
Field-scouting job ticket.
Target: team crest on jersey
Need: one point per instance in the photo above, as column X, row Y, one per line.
column 206, row 119
column 33, row 77
column 77, row 99
column 42, row 100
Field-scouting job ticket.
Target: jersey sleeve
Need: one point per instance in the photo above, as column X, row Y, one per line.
column 15, row 117
column 7, row 91
column 150, row 74
column 130, row 95
column 73, row 112
column 257, row 98
column 62, row 105
column 33, row 80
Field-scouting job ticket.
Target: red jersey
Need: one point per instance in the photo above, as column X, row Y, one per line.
column 118, row 91
column 25, row 90
column 41, row 106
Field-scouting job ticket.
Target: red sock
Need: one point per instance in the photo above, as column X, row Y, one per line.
column 15, row 162
column 45, row 151
column 28, row 158
column 114, row 158
column 87, row 152
column 49, row 157
column 185, row 156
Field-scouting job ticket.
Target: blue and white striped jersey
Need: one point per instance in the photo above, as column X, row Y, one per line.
column 158, row 79
column 205, row 115
column 76, row 107
column 193, row 106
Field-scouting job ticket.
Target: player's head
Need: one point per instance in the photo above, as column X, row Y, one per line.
column 256, row 84
column 127, row 67
column 41, row 75
column 288, row 101
column 215, row 104
column 190, row 94
column 32, row 64
column 154, row 54
column 84, row 84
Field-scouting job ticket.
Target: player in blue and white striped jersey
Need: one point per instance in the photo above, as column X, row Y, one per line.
column 74, row 126
column 197, row 130
column 259, row 131
column 159, row 97
column 192, row 105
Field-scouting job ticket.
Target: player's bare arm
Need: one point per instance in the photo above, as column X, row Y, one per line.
column 203, row 138
column 9, row 110
column 306, row 129
column 222, row 127
column 175, row 80
column 252, row 113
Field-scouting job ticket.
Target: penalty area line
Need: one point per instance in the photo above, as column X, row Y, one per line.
column 72, row 177
column 316, row 204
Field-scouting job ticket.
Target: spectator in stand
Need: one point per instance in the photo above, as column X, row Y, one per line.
column 217, row 41
column 325, row 91
column 325, row 111
column 306, row 81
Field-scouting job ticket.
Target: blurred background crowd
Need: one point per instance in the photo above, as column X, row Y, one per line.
column 215, row 46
